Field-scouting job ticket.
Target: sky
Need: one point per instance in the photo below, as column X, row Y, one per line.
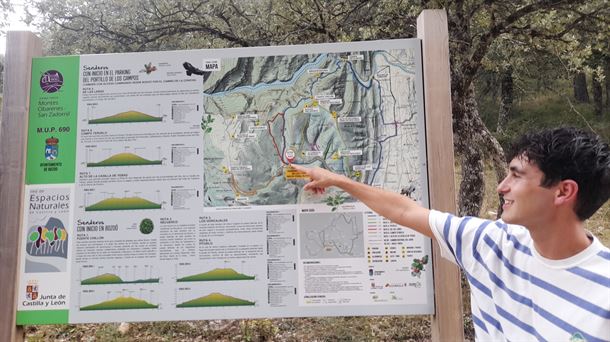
column 15, row 23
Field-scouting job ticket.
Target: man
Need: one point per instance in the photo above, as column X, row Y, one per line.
column 536, row 274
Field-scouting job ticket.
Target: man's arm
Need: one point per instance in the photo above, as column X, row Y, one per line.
column 397, row 208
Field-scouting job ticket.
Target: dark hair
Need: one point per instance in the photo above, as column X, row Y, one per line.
column 570, row 153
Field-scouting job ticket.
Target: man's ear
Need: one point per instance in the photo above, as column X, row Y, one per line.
column 567, row 192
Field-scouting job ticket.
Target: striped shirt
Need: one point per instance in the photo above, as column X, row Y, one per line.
column 518, row 295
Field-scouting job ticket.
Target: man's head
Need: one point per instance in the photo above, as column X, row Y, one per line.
column 569, row 154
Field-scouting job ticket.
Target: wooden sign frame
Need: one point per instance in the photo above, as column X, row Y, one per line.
column 22, row 46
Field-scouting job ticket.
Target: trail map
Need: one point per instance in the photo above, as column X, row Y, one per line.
column 353, row 113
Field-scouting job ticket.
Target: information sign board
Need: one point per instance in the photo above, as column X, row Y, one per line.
column 159, row 186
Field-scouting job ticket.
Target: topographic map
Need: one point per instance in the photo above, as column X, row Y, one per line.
column 353, row 113
column 331, row 235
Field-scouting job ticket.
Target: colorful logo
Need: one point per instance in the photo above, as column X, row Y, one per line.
column 47, row 247
column 48, row 240
column 31, row 291
column 51, row 81
column 51, row 149
column 417, row 266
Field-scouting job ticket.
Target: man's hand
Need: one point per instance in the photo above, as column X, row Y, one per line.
column 320, row 178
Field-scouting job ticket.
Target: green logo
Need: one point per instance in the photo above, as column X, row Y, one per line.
column 577, row 337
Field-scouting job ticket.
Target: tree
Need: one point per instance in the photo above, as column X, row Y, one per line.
column 475, row 28
column 581, row 94
column 6, row 8
column 506, row 97
column 1, row 73
column 607, row 80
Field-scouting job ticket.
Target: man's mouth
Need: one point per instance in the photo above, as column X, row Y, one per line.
column 507, row 202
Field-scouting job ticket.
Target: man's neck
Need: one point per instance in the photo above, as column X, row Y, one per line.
column 561, row 240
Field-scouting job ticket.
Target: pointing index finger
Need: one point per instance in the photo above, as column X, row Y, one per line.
column 301, row 169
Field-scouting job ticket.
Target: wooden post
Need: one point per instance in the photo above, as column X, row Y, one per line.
column 21, row 47
column 447, row 323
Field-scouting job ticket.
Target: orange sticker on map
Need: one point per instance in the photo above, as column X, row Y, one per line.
column 291, row 173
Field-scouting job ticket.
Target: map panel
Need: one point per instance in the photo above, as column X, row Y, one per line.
column 331, row 235
column 353, row 113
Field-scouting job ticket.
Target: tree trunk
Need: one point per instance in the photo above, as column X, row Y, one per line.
column 607, row 82
column 473, row 142
column 473, row 182
column 580, row 87
column 506, row 98
column 598, row 100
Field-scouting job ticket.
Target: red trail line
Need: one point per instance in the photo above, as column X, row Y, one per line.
column 273, row 139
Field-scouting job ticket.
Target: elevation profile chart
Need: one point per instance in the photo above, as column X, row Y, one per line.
column 127, row 156
column 128, row 200
column 118, row 300
column 113, row 275
column 217, row 274
column 96, row 115
column 215, row 299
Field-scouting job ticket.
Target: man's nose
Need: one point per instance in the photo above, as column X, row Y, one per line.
column 502, row 187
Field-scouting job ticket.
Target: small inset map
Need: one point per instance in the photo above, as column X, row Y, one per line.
column 331, row 235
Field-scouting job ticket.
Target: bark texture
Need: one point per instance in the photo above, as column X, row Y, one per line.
column 506, row 98
column 607, row 82
column 473, row 142
column 598, row 101
column 580, row 87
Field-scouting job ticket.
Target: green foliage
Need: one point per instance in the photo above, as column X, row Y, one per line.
column 547, row 107
column 553, row 110
column 71, row 26
column 146, row 226
column 335, row 201
column 205, row 123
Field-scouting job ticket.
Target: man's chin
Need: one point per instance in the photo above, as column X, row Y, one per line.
column 506, row 218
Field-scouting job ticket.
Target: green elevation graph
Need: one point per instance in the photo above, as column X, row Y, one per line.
column 109, row 278
column 215, row 299
column 124, row 159
column 126, row 203
column 128, row 116
column 120, row 303
column 217, row 274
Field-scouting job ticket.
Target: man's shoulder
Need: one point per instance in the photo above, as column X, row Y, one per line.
column 445, row 219
column 479, row 229
column 602, row 252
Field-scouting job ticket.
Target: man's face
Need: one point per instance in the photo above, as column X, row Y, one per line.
column 526, row 202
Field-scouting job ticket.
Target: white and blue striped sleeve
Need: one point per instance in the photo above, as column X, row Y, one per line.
column 457, row 236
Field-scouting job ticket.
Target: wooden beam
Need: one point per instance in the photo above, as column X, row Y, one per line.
column 447, row 322
column 21, row 46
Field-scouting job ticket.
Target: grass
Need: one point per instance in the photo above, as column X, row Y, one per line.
column 387, row 328
column 546, row 108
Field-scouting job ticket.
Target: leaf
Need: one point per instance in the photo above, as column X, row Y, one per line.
column 34, row 236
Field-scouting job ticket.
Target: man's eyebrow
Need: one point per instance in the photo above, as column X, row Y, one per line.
column 515, row 169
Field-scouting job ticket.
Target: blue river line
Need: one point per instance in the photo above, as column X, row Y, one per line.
column 261, row 86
